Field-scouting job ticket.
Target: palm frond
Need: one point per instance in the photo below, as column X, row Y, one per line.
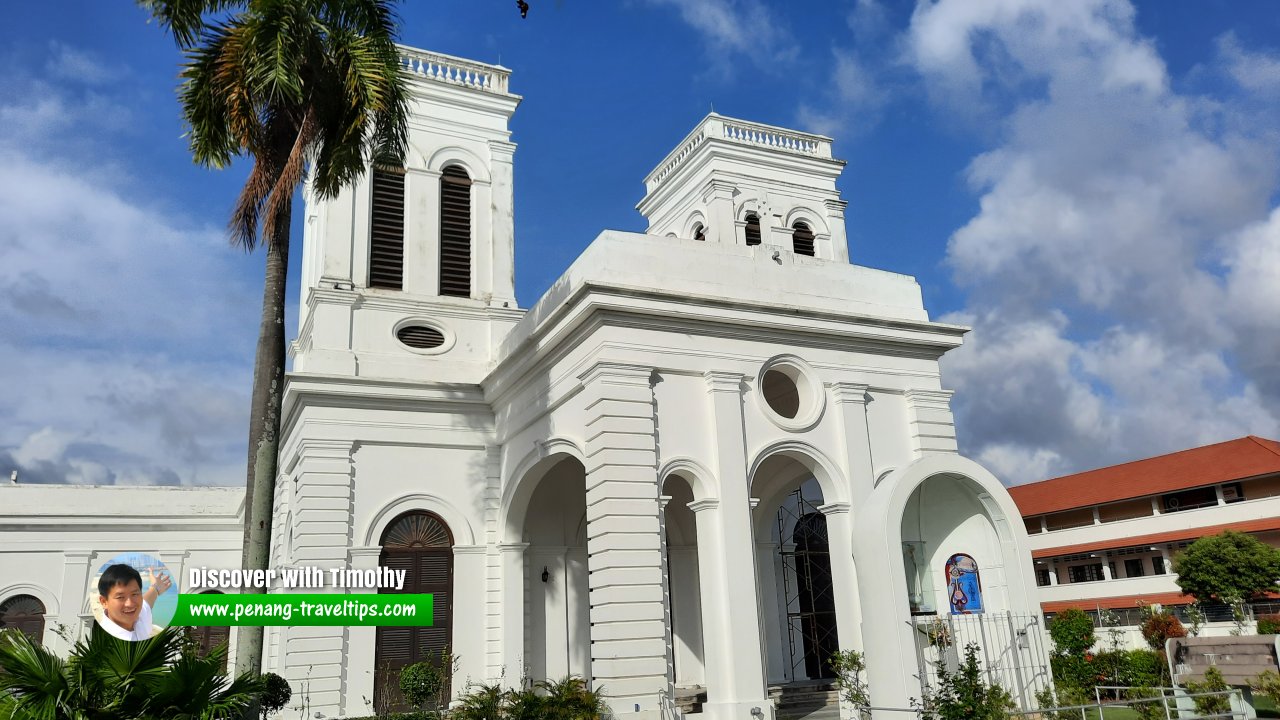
column 185, row 19
column 33, row 681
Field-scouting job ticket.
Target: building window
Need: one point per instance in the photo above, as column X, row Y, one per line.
column 1085, row 573
column 386, row 230
column 802, row 239
column 1042, row 577
column 25, row 614
column 964, row 585
column 1232, row 492
column 419, row 543
column 1133, row 568
column 753, row 229
column 1190, row 499
column 455, row 232
column 699, row 232
column 1157, row 565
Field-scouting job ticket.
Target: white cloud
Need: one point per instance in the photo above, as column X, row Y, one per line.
column 1255, row 72
column 737, row 28
column 1122, row 256
column 128, row 329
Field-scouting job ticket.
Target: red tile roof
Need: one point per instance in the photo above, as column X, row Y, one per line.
column 1245, row 457
column 1186, row 533
column 1115, row 603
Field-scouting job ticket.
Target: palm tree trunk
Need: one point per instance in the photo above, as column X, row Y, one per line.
column 264, row 432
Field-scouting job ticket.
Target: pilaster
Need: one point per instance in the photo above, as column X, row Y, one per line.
column 851, row 408
column 628, row 634
column 718, row 196
column 835, row 221
column 844, row 575
column 932, row 426
column 511, row 556
column 735, row 665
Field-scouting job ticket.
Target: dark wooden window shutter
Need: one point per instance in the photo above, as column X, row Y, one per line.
column 25, row 614
column 386, row 230
column 455, row 232
column 753, row 229
column 802, row 239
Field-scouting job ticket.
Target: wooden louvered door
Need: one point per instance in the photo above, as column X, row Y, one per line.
column 386, row 230
column 455, row 232
column 25, row 614
column 419, row 544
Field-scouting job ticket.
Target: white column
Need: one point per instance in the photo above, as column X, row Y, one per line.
column 362, row 650
column 468, row 642
column 742, row 687
column 767, row 561
column 1053, row 573
column 513, row 660
column 1166, row 560
column 844, row 575
column 721, row 228
column 835, row 221
column 71, row 598
column 628, row 632
column 502, row 274
column 851, row 405
column 422, row 232
column 1106, row 568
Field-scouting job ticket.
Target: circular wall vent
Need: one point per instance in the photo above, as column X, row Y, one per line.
column 421, row 337
column 791, row 393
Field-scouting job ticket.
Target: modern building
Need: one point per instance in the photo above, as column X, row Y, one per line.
column 1105, row 539
column 709, row 456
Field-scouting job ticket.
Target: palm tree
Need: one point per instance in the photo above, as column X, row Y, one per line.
column 303, row 87
column 109, row 678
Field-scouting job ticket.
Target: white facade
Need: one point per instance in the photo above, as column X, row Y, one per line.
column 606, row 462
column 54, row 539
column 627, row 470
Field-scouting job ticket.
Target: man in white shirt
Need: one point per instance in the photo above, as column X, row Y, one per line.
column 126, row 610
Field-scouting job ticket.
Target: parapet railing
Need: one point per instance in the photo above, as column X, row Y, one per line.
column 741, row 132
column 455, row 70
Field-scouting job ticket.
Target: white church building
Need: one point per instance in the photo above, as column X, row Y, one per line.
column 710, row 456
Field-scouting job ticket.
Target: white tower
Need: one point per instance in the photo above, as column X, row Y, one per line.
column 418, row 261
column 726, row 182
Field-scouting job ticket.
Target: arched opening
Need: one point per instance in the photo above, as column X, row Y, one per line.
column 699, row 232
column 419, row 543
column 684, row 591
column 455, row 232
column 948, row 538
column 802, row 239
column 24, row 613
column 798, row 602
column 558, row 631
column 753, row 229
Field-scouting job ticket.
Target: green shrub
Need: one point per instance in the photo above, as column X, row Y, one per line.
column 482, row 703
column 276, row 695
column 1269, row 624
column 1213, row 682
column 1076, row 671
column 849, row 665
column 1267, row 685
column 420, row 683
column 1143, row 669
column 1062, row 696
column 1146, row 710
column 1072, row 632
column 965, row 696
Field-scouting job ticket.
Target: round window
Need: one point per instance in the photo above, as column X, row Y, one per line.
column 791, row 394
column 424, row 336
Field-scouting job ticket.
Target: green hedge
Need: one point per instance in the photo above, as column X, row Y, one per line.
column 1133, row 668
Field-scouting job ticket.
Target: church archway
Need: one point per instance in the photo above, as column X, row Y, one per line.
column 557, row 639
column 24, row 613
column 794, row 567
column 949, row 543
column 421, row 544
column 683, row 585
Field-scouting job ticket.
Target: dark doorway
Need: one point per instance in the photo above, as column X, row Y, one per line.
column 420, row 544
column 810, row 598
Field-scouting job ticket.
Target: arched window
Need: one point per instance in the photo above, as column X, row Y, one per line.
column 207, row 638
column 386, row 229
column 25, row 614
column 964, row 587
column 802, row 239
column 420, row 544
column 455, row 232
column 753, row 229
column 699, row 232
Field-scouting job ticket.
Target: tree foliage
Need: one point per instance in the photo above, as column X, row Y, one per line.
column 107, row 678
column 1227, row 565
column 965, row 696
column 1072, row 632
column 420, row 683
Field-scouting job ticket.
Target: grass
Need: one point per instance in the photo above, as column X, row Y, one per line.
column 1264, row 706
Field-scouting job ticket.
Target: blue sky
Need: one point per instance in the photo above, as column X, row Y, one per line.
column 1091, row 185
